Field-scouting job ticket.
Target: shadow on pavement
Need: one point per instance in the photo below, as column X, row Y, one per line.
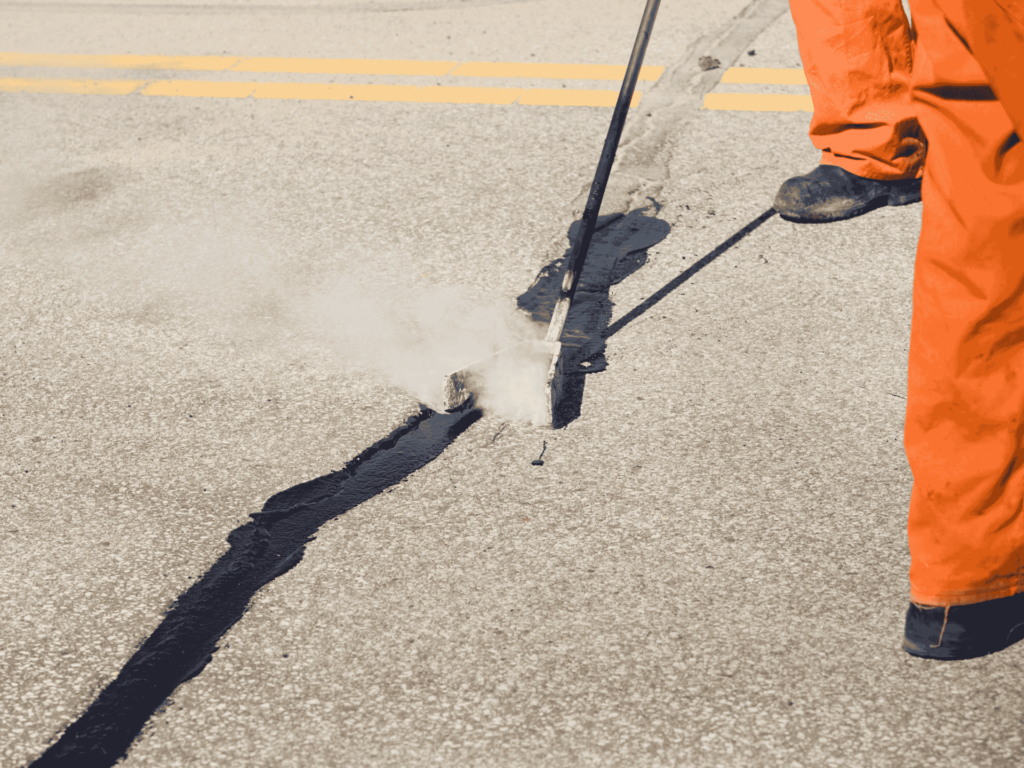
column 685, row 275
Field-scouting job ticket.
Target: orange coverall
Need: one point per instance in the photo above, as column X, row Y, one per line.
column 958, row 76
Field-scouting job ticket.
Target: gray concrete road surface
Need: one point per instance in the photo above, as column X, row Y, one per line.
column 709, row 568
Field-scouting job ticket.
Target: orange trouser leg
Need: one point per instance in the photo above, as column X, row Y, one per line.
column 857, row 55
column 964, row 432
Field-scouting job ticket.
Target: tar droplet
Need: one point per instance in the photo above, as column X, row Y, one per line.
column 538, row 461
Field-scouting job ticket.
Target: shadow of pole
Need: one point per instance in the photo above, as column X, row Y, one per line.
column 682, row 277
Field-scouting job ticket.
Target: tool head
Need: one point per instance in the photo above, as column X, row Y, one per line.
column 461, row 387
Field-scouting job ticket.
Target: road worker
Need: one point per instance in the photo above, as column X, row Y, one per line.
column 964, row 432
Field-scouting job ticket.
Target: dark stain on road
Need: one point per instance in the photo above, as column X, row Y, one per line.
column 261, row 550
column 539, row 461
column 619, row 249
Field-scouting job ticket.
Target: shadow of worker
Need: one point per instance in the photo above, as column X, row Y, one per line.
column 618, row 249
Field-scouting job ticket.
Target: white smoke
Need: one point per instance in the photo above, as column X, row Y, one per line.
column 415, row 333
column 220, row 270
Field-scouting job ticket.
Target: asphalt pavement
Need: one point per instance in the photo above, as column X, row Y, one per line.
column 209, row 303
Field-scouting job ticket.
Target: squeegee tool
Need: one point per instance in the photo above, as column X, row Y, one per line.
column 458, row 385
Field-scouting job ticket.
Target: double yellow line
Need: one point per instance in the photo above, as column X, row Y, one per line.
column 323, row 91
column 446, row 94
column 760, row 102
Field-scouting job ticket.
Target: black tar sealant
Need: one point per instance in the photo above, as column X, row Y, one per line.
column 261, row 550
column 617, row 250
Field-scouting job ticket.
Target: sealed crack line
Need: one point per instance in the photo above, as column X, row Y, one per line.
column 261, row 550
column 645, row 151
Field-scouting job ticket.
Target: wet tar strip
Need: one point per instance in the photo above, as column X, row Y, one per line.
column 619, row 249
column 274, row 542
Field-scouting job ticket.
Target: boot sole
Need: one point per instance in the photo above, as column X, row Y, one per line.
column 839, row 210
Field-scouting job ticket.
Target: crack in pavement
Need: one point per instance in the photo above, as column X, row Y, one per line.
column 274, row 541
column 261, row 550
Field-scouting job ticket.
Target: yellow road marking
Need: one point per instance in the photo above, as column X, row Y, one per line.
column 756, row 76
column 431, row 94
column 758, row 102
column 106, row 87
column 198, row 88
column 327, row 66
column 559, row 97
column 346, row 66
column 553, row 71
column 565, row 97
column 428, row 94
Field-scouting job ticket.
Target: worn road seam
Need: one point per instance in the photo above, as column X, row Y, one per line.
column 644, row 156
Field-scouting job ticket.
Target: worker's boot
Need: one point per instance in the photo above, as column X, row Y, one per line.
column 828, row 193
column 963, row 631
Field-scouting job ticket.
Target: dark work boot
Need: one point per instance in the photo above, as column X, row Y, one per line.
column 828, row 193
column 964, row 631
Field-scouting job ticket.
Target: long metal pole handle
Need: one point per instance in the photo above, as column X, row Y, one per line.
column 578, row 255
